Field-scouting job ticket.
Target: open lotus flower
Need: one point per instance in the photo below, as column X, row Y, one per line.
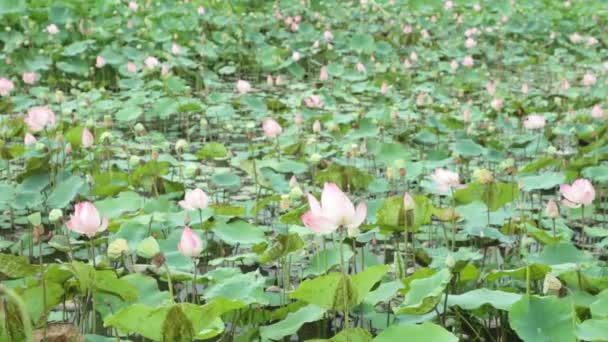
column 445, row 179
column 39, row 118
column 195, row 199
column 151, row 62
column 581, row 192
column 534, row 122
column 52, row 29
column 190, row 244
column 335, row 211
column 100, row 62
column 86, row 220
column 6, row 86
column 29, row 77
column 271, row 128
column 243, row 87
column 29, row 139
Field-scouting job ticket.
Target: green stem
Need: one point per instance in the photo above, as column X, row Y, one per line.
column 170, row 282
column 194, row 294
column 25, row 318
column 344, row 284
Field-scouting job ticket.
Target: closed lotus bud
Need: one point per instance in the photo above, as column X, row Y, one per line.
column 181, row 145
column 316, row 126
column 315, row 158
column 134, row 161
column 148, row 248
column 106, row 137
column 293, row 181
column 117, row 248
column 55, row 215
column 552, row 210
column 449, row 261
column 285, row 202
column 483, row 176
column 551, row 285
column 139, row 128
column 296, row 192
column 408, row 202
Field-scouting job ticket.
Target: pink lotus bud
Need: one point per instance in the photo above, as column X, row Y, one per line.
column 271, row 128
column 454, row 65
column 597, row 112
column 575, row 38
column 565, row 85
column 87, row 139
column 360, row 67
column 448, row 5
column 130, row 24
column 297, row 18
column 384, row 88
column 552, row 210
column 243, row 87
column 314, row 101
column 524, row 88
column 467, row 61
column 298, row 119
column 294, row 26
column 466, row 115
column 293, row 182
column 29, row 77
column 323, row 75
column 133, row 6
column 591, row 41
column 407, row 29
column 328, row 35
column 413, row 56
column 39, row 118
column 316, row 44
column 86, row 220
column 29, row 139
column 434, row 19
column 151, row 62
column 491, row 88
column 581, row 192
column 269, row 80
column 195, row 199
column 52, row 29
column 477, row 7
column 316, row 126
column 131, row 68
column 279, row 80
column 6, row 86
column 100, row 62
column 165, row 70
column 200, row 10
column 589, row 80
column 470, row 43
column 190, row 244
column 425, row 34
column 408, row 202
column 68, row 149
column 497, row 104
column 175, row 49
column 296, row 56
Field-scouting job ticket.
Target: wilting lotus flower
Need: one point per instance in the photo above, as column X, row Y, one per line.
column 6, row 86
column 29, row 77
column 87, row 138
column 314, row 101
column 195, row 199
column 445, row 179
column 151, row 62
column 52, row 29
column 468, row 61
column 271, row 128
column 316, row 126
column 131, row 67
column 552, row 210
column 86, row 220
column 190, row 244
column 597, row 112
column 470, row 43
column 589, row 80
column 175, row 49
column 534, row 122
column 328, row 35
column 29, row 139
column 133, row 6
column 335, row 211
column 575, row 38
column 38, row 118
column 243, row 87
column 497, row 104
column 323, row 75
column 581, row 192
column 100, row 62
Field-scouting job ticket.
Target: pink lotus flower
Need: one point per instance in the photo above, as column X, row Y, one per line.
column 316, row 126
column 581, row 192
column 52, row 29
column 497, row 104
column 190, row 244
column 133, row 6
column 534, row 121
column 29, row 139
column 272, row 129
column 552, row 210
column 29, row 77
column 470, row 43
column 597, row 112
column 243, row 87
column 314, row 101
column 468, row 61
column 360, row 67
column 328, row 35
column 195, row 199
column 445, row 179
column 151, row 62
column 6, row 86
column 296, row 56
column 86, row 220
column 131, row 68
column 175, row 49
column 323, row 75
column 100, row 62
column 589, row 80
column 269, row 80
column 335, row 211
column 39, row 118
column 87, row 138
